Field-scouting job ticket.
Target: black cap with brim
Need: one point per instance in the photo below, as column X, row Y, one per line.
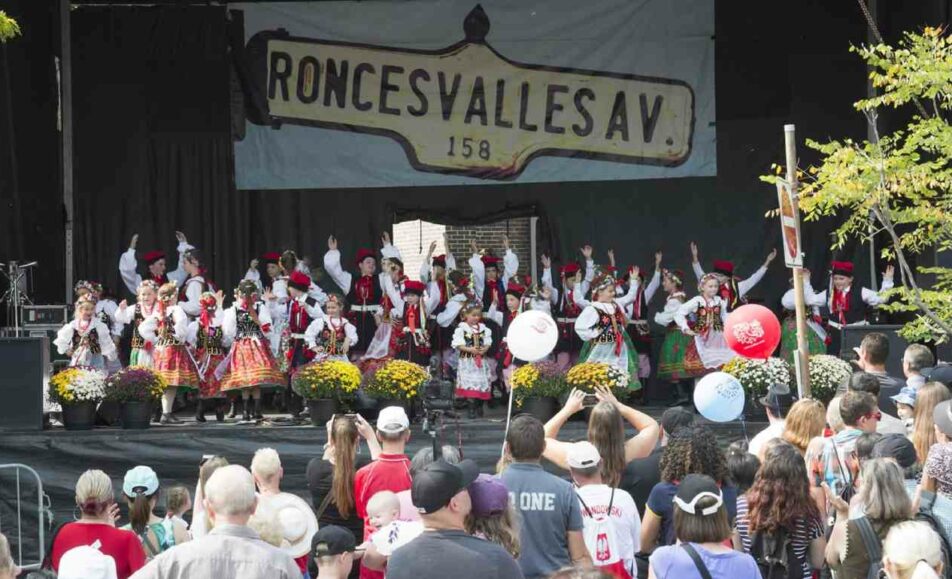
column 332, row 540
column 691, row 487
column 941, row 373
column 778, row 398
column 896, row 447
column 438, row 482
column 942, row 416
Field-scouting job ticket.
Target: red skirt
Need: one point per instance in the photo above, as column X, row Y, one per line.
column 693, row 366
column 252, row 366
column 175, row 366
column 209, row 385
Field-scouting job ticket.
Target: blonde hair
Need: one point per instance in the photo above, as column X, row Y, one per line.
column 501, row 529
column 266, row 463
column 914, row 549
column 805, row 421
column 382, row 502
column 923, row 433
column 176, row 498
column 833, row 417
column 94, row 492
column 7, row 564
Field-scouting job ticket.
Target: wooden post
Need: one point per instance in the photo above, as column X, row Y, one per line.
column 800, row 356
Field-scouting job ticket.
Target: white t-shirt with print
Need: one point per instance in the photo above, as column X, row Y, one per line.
column 624, row 517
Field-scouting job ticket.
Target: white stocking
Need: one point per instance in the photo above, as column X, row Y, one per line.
column 168, row 398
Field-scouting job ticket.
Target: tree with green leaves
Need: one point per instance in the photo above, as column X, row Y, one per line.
column 900, row 183
column 9, row 29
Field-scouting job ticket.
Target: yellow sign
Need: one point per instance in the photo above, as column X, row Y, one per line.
column 469, row 110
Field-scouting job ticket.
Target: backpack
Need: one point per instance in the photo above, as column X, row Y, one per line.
column 774, row 555
column 937, row 519
column 874, row 547
column 602, row 542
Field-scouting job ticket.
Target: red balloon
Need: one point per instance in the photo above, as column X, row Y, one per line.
column 752, row 331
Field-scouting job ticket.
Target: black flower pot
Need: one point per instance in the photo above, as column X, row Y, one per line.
column 754, row 411
column 136, row 415
column 79, row 416
column 542, row 407
column 322, row 409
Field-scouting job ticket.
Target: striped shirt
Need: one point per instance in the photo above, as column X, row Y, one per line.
column 804, row 533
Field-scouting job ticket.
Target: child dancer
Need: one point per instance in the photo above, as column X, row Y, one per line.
column 155, row 262
column 730, row 287
column 411, row 318
column 637, row 312
column 676, row 342
column 106, row 312
column 86, row 340
column 450, row 316
column 472, row 340
column 602, row 326
column 141, row 350
column 167, row 328
column 816, row 334
column 331, row 336
column 196, row 284
column 302, row 311
column 249, row 366
column 845, row 306
column 514, row 306
column 207, row 339
column 709, row 350
column 567, row 302
column 435, row 274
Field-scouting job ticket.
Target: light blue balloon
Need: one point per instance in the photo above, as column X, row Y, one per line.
column 719, row 397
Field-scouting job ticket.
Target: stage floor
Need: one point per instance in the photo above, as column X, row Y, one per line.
column 174, row 452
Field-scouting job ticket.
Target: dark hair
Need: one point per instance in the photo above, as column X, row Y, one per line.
column 140, row 510
column 197, row 256
column 855, row 405
column 876, row 346
column 288, row 261
column 714, row 528
column 674, row 419
column 865, row 443
column 780, row 496
column 526, row 438
column 742, row 465
column 864, row 382
column 693, row 451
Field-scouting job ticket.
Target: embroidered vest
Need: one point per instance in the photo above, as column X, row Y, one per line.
column 606, row 333
column 210, row 340
column 708, row 318
column 90, row 339
column 246, row 327
column 166, row 333
column 332, row 337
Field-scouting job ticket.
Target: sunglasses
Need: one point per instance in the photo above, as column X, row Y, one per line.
column 877, row 415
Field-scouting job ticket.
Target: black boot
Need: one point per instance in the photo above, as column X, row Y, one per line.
column 157, row 413
column 166, row 419
column 199, row 411
column 234, row 408
column 682, row 396
column 479, row 408
column 246, row 413
column 471, row 405
column 258, row 415
column 219, row 411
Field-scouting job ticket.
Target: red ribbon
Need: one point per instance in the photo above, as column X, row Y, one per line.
column 477, row 337
column 412, row 317
column 840, row 305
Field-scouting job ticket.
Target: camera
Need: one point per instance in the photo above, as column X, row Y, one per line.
column 438, row 392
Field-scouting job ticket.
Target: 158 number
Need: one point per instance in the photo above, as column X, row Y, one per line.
column 466, row 148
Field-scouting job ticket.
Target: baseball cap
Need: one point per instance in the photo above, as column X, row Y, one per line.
column 896, row 447
column 393, row 419
column 941, row 373
column 438, row 482
column 489, row 495
column 942, row 415
column 778, row 398
column 906, row 396
column 332, row 540
column 676, row 418
column 143, row 478
column 695, row 487
column 583, row 455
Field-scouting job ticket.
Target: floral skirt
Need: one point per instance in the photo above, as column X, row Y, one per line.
column 209, row 385
column 788, row 340
column 673, row 350
column 706, row 354
column 251, row 365
column 175, row 365
column 141, row 357
column 626, row 360
column 472, row 380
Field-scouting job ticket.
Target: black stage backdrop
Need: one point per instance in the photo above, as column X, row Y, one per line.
column 152, row 90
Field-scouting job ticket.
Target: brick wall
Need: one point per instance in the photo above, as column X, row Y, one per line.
column 406, row 236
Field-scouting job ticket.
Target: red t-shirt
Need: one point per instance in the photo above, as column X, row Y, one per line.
column 123, row 546
column 390, row 472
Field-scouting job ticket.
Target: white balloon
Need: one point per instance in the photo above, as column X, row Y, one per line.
column 532, row 336
column 719, row 397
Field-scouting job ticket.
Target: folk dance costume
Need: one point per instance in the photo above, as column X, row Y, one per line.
column 127, row 267
column 638, row 328
column 206, row 337
column 473, row 373
column 140, row 353
column 567, row 302
column 448, row 319
column 86, row 341
column 439, row 285
column 734, row 290
column 708, row 351
column 844, row 306
column 816, row 335
column 489, row 290
column 674, row 347
column 167, row 328
column 277, row 303
column 302, row 311
column 411, row 320
column 330, row 337
column 191, row 295
column 504, row 319
column 602, row 325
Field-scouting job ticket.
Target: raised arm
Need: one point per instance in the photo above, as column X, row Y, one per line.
column 641, row 444
column 479, row 272
column 655, row 282
column 127, row 267
column 388, row 250
column 748, row 284
column 872, row 298
column 179, row 275
column 510, row 264
column 557, row 451
column 254, row 275
column 449, row 314
column 333, row 268
column 634, row 282
column 695, row 262
column 547, row 279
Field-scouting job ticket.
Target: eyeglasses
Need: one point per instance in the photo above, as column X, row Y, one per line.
column 877, row 415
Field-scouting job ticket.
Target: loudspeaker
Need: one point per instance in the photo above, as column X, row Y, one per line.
column 853, row 336
column 25, row 363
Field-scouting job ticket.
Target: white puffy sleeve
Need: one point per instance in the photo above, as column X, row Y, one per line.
column 229, row 325
column 181, row 324
column 193, row 296
column 313, row 330
column 425, row 271
column 487, row 336
column 459, row 337
column 653, row 286
column 589, row 276
column 432, row 301
column 686, row 309
column 788, row 301
column 180, row 275
column 724, row 312
column 494, row 314
column 479, row 275
column 254, row 275
column 698, row 270
column 106, row 345
column 125, row 316
column 315, row 310
column 127, row 270
column 351, row 332
column 280, row 290
column 450, row 261
column 629, row 298
column 813, row 299
column 872, row 298
column 510, row 264
column 666, row 316
column 586, row 325
column 333, row 268
column 64, row 338
column 265, row 321
column 389, row 251
column 148, row 328
column 547, row 283
column 748, row 284
column 449, row 314
column 392, row 292
column 317, row 293
column 191, row 336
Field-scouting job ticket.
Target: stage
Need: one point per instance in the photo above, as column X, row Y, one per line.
column 60, row 456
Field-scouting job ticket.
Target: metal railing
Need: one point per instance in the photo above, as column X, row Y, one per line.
column 42, row 514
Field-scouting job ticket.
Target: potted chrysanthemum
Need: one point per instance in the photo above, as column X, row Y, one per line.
column 756, row 376
column 326, row 386
column 827, row 373
column 536, row 389
column 396, row 383
column 137, row 389
column 78, row 390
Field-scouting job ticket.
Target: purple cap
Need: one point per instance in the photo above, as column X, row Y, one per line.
column 489, row 496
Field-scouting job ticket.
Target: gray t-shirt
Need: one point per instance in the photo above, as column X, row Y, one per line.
column 548, row 509
column 449, row 553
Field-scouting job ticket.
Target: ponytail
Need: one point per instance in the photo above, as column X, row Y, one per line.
column 140, row 511
column 344, row 438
